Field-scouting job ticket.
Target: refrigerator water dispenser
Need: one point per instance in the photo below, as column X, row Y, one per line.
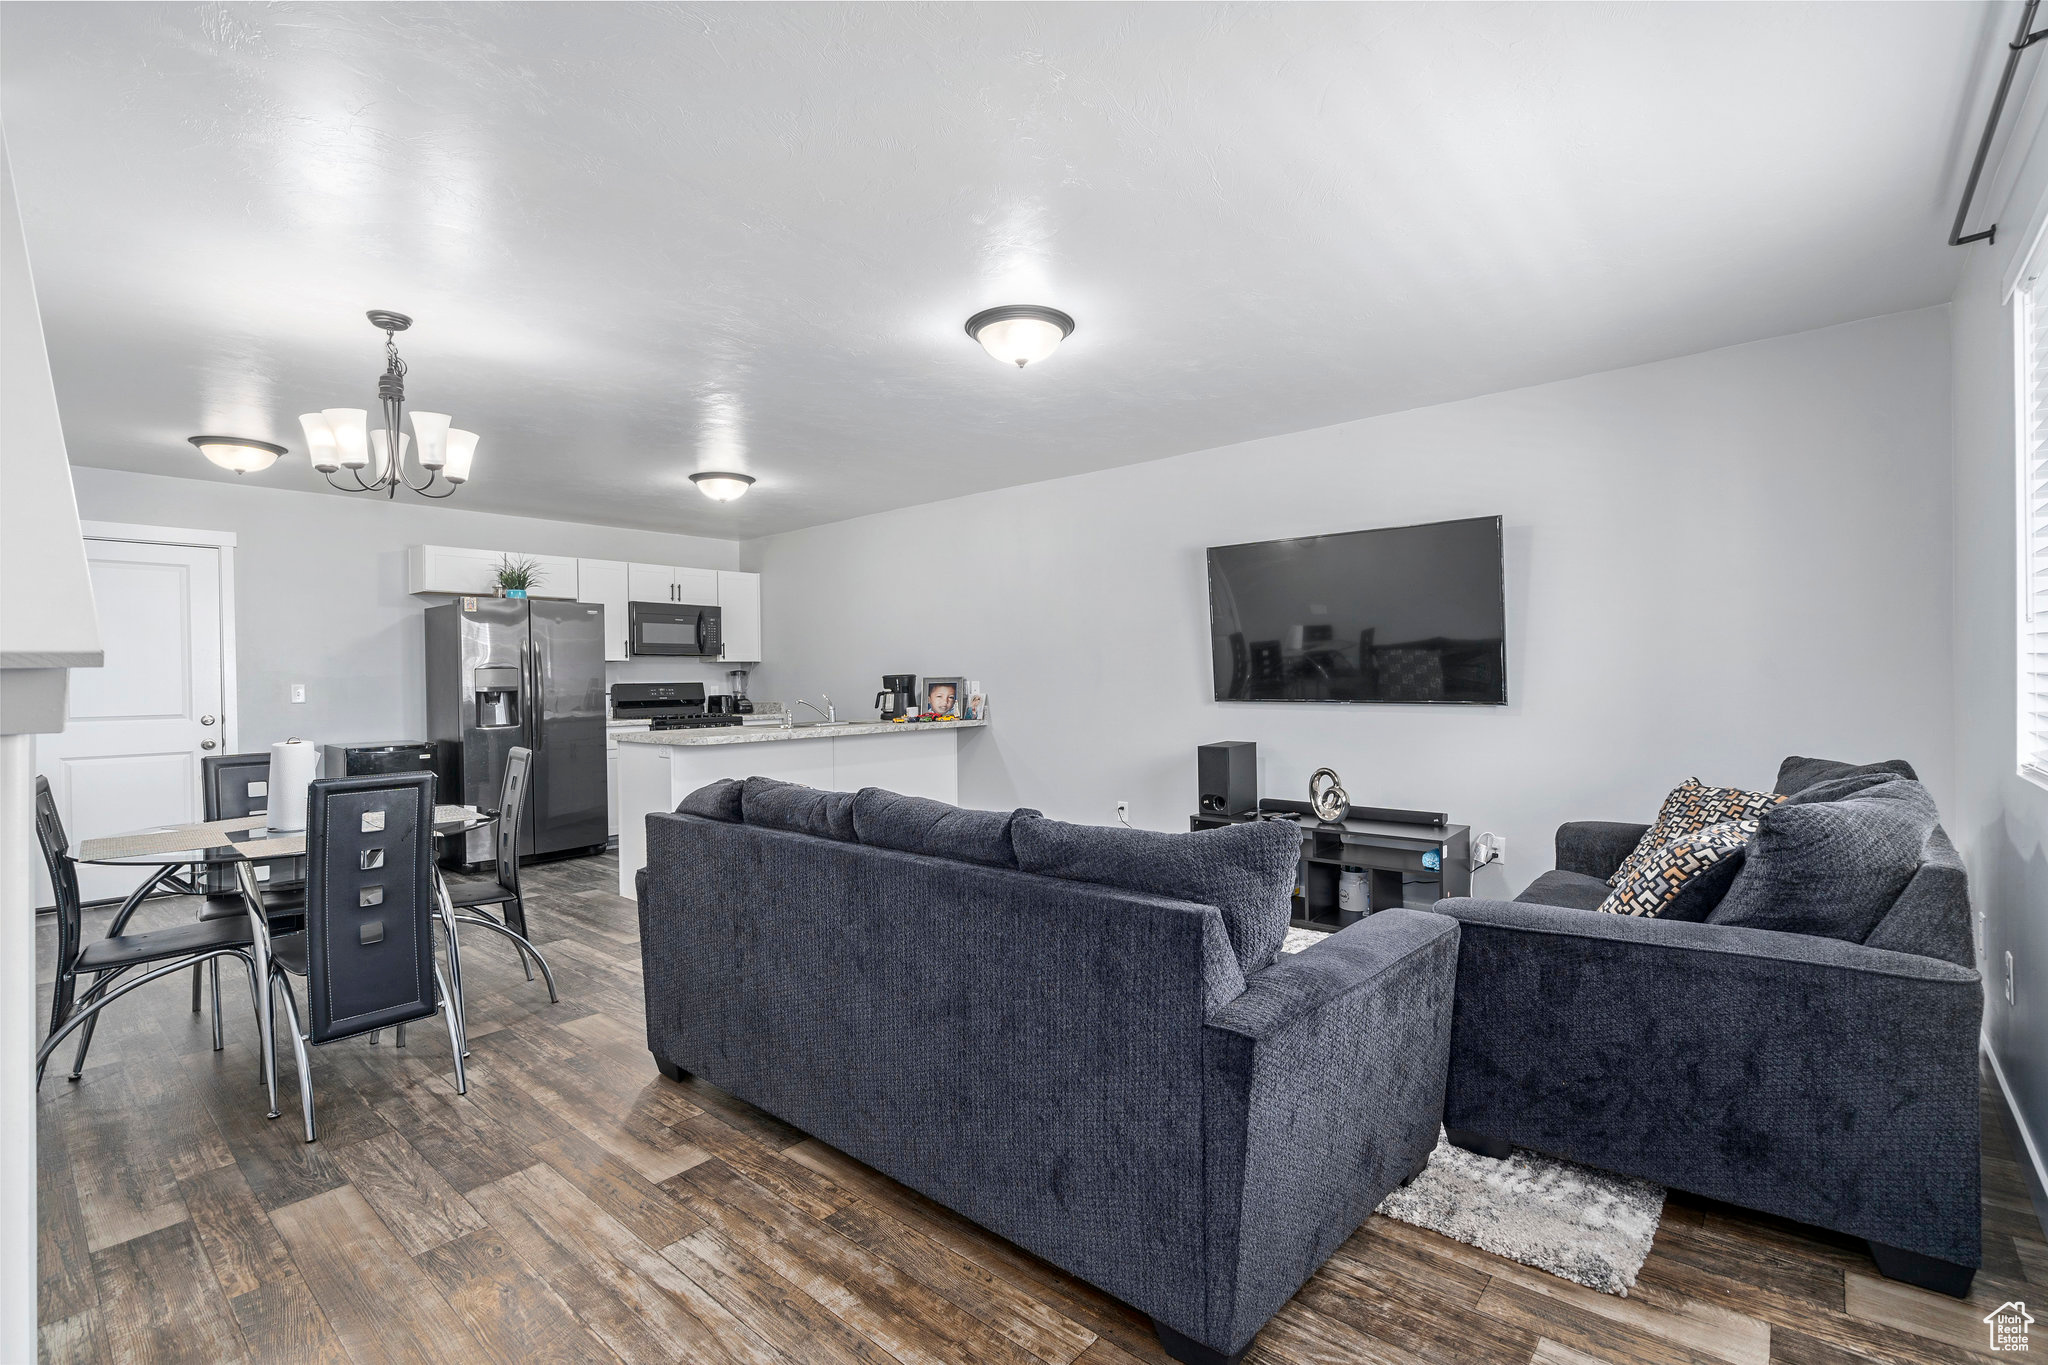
column 497, row 698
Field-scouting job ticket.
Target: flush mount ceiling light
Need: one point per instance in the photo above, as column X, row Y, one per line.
column 1020, row 333
column 340, row 438
column 238, row 453
column 722, row 487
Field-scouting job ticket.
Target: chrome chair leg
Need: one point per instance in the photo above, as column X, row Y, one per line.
column 213, row 973
column 515, row 920
column 400, row 1033
column 375, row 1034
column 299, row 1054
column 450, row 1012
column 100, row 982
column 259, row 948
column 524, row 947
column 89, row 1010
column 454, row 969
column 255, row 1003
column 195, row 990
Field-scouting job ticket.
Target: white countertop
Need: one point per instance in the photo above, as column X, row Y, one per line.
column 766, row 734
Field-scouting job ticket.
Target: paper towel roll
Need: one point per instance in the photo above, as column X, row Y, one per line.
column 292, row 765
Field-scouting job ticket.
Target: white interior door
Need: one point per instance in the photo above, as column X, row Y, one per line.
column 129, row 753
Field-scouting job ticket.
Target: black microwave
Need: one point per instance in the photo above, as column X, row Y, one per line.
column 670, row 628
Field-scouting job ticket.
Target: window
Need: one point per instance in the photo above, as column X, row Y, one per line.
column 2032, row 322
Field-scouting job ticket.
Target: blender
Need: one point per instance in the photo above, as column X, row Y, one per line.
column 736, row 683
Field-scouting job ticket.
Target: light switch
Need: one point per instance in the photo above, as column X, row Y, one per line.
column 298, row 692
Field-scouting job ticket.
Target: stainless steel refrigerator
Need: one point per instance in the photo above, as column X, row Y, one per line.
column 515, row 671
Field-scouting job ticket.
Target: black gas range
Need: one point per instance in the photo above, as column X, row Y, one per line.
column 665, row 706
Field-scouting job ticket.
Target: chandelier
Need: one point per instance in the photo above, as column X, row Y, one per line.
column 380, row 461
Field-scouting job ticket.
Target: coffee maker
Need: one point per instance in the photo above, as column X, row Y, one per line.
column 893, row 701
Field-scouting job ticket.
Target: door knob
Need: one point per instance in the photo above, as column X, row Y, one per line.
column 206, row 744
column 206, row 720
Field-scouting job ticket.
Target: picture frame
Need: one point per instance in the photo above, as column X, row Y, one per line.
column 956, row 696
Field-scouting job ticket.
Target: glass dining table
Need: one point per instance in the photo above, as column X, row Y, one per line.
column 244, row 845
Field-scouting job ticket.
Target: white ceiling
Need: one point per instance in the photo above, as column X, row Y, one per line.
column 642, row 240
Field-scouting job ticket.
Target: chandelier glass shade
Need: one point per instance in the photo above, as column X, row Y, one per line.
column 340, row 439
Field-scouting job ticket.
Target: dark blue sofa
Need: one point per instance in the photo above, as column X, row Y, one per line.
column 1085, row 1069
column 1827, row 1081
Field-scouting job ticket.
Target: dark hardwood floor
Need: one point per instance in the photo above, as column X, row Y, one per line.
column 577, row 1207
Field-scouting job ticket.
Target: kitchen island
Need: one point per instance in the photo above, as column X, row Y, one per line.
column 658, row 768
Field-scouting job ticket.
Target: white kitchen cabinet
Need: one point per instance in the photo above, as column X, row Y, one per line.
column 651, row 583
column 612, row 731
column 607, row 582
column 698, row 587
column 739, row 610
column 474, row 573
column 443, row 568
column 672, row 583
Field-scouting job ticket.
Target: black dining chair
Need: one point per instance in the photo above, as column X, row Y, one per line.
column 109, row 959
column 367, row 951
column 470, row 897
column 231, row 787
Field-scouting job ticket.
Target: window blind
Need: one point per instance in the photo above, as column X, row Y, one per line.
column 2033, row 519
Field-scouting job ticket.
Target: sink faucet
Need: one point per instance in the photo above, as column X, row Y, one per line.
column 830, row 713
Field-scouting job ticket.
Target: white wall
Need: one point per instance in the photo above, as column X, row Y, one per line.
column 1999, row 819
column 321, row 599
column 1712, row 562
column 47, row 625
column 55, row 625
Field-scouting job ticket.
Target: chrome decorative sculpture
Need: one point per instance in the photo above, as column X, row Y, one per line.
column 1330, row 802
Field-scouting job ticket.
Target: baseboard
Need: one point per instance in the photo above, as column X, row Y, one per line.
column 2037, row 1168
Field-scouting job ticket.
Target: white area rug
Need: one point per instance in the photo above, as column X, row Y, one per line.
column 1587, row 1226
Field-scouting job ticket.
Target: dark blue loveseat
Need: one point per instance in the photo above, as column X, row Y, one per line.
column 1827, row 1081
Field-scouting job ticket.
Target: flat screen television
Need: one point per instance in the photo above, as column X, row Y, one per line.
column 1402, row 614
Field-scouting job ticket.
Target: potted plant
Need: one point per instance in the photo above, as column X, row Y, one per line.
column 517, row 575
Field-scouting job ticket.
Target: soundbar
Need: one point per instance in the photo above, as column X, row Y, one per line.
column 1382, row 813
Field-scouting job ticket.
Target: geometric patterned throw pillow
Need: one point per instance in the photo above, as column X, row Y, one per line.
column 1687, row 860
column 1692, row 807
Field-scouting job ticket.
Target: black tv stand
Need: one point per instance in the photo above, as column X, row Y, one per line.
column 1395, row 854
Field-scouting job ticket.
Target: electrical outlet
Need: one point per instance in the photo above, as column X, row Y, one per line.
column 2008, row 978
column 1488, row 848
column 1123, row 812
column 298, row 692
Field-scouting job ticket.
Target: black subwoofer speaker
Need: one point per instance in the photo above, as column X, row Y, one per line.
column 1227, row 775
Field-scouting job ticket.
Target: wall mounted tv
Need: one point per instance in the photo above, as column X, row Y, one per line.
column 1403, row 614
